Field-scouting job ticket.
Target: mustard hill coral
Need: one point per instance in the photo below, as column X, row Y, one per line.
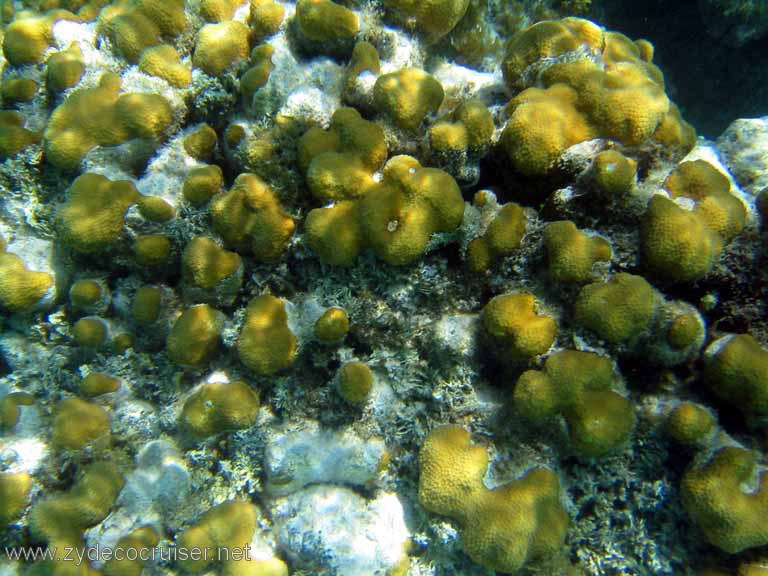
column 572, row 253
column 339, row 163
column 13, row 136
column 613, row 173
column 395, row 218
column 543, row 123
column 548, row 39
column 29, row 35
column 9, row 408
column 217, row 407
column 451, row 468
column 163, row 61
column 736, row 369
column 335, row 234
column 690, row 424
column 141, row 540
column 432, row 18
column 218, row 10
column 758, row 568
column 195, row 336
column 201, row 142
column 220, row 46
column 65, row 68
column 720, row 210
column 355, row 382
column 22, row 290
column 135, row 25
column 468, row 128
column 250, row 219
column 98, row 383
column 86, row 293
column 577, row 385
column 365, row 58
column 515, row 331
column 258, row 74
column 266, row 343
column 234, row 135
column 93, row 216
column 90, row 332
column 265, row 18
column 332, row 326
column 155, row 209
column 78, row 423
column 122, row 342
column 14, row 491
column 152, row 249
column 101, row 116
column 731, row 518
column 202, row 183
column 61, row 519
column 595, row 84
column 676, row 243
column 400, row 215
column 501, row 529
column 230, row 526
column 406, row 96
column 677, row 334
column 204, row 264
column 18, row 90
column 147, row 301
column 325, row 21
column 674, row 133
column 502, row 237
column 619, row 310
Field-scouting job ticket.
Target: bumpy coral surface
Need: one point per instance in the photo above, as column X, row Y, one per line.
column 218, row 407
column 578, row 386
column 596, row 84
column 731, row 517
column 515, row 329
column 101, row 116
column 503, row 527
column 20, row 288
column 249, row 218
column 737, row 371
column 571, row 253
column 266, row 343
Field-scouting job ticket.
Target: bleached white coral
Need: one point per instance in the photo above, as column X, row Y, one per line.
column 333, row 530
column 303, row 454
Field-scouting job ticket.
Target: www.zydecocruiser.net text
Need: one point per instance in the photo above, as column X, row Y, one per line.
column 79, row 555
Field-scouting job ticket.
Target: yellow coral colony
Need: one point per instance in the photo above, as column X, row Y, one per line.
column 92, row 219
column 266, row 343
column 217, row 407
column 101, row 116
column 332, row 326
column 578, row 386
column 21, row 290
column 591, row 83
column 502, row 529
column 515, row 331
column 503, row 236
column 395, row 217
column 230, row 525
column 250, row 219
column 195, row 336
column 682, row 245
column 61, row 519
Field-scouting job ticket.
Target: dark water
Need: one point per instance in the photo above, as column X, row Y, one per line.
column 712, row 82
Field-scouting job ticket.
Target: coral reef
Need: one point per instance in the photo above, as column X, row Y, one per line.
column 374, row 287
